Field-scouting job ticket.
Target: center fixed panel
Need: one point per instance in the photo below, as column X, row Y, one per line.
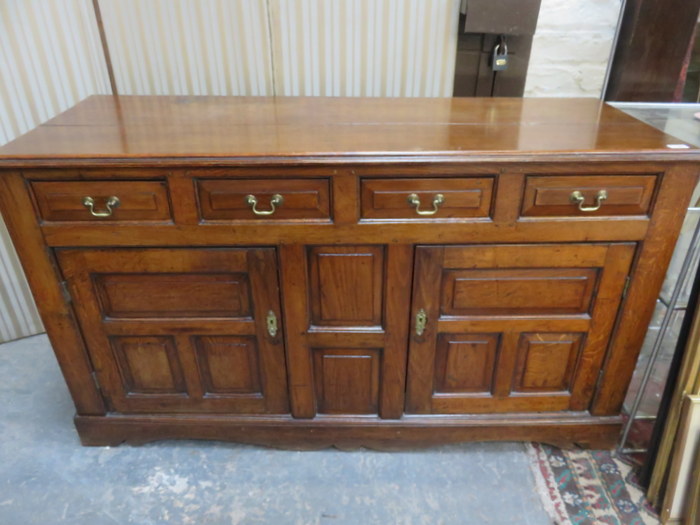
column 346, row 311
column 346, row 294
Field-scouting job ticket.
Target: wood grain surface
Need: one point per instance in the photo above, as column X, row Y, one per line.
column 170, row 128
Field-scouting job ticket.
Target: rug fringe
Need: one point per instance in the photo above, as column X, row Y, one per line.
column 547, row 494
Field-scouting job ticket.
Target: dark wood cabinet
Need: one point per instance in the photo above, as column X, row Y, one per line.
column 382, row 273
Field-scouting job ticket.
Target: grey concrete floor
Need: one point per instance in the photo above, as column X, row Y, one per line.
column 47, row 477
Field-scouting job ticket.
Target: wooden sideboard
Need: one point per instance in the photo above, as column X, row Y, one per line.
column 306, row 272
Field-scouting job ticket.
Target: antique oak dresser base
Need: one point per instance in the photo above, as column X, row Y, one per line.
column 305, row 273
column 350, row 433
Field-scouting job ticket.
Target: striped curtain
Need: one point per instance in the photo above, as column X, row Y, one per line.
column 50, row 59
column 390, row 48
column 189, row 47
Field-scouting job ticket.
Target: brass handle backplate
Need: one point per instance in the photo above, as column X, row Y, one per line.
column 421, row 321
column 577, row 198
column 111, row 203
column 414, row 201
column 271, row 323
column 275, row 201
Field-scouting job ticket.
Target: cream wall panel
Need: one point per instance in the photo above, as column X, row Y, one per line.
column 394, row 48
column 571, row 48
column 189, row 47
column 50, row 59
column 18, row 315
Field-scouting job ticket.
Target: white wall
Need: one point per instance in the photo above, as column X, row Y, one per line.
column 571, row 48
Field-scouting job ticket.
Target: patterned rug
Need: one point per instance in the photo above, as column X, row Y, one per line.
column 582, row 487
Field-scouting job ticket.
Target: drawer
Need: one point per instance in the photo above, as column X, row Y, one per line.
column 268, row 199
column 102, row 201
column 584, row 195
column 462, row 198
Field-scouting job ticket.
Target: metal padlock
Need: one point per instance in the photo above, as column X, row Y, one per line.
column 499, row 58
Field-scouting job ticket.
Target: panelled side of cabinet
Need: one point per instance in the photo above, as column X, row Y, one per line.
column 307, row 273
column 656, row 251
column 45, row 281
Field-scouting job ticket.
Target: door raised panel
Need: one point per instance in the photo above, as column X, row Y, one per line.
column 546, row 362
column 347, row 285
column 181, row 330
column 228, row 365
column 518, row 291
column 465, row 362
column 174, row 295
column 512, row 328
column 347, row 381
column 149, row 365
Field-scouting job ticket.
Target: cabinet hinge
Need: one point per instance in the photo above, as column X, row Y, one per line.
column 628, row 279
column 96, row 381
column 66, row 293
column 598, row 380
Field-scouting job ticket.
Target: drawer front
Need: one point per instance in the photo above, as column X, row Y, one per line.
column 102, row 201
column 465, row 198
column 269, row 199
column 596, row 195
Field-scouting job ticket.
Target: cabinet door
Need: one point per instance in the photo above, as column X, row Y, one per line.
column 516, row 328
column 181, row 330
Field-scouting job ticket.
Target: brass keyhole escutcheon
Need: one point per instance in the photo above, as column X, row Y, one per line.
column 271, row 323
column 421, row 321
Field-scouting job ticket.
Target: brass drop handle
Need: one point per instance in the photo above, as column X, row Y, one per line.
column 276, row 200
column 577, row 198
column 421, row 321
column 271, row 323
column 414, row 201
column 111, row 203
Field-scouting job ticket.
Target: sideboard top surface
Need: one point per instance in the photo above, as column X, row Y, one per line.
column 107, row 128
